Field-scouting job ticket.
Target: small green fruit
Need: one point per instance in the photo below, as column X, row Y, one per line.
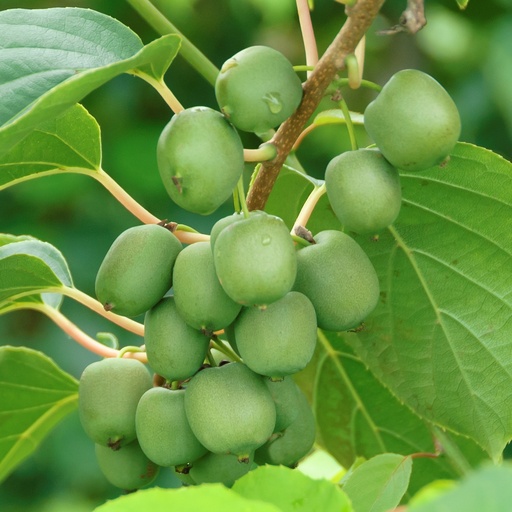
column 285, row 394
column 174, row 349
column 108, row 394
column 199, row 296
column 224, row 222
column 230, row 409
column 257, row 89
column 162, row 427
column 200, row 159
column 279, row 339
column 129, row 468
column 339, row 279
column 137, row 269
column 413, row 121
column 220, row 468
column 255, row 260
column 363, row 190
column 294, row 443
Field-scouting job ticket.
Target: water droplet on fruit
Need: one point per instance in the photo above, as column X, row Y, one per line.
column 273, row 102
column 265, row 240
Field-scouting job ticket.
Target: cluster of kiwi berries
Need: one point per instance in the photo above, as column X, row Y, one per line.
column 249, row 292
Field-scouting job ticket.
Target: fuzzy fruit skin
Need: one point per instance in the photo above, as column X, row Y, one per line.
column 165, row 335
column 294, row 442
column 128, row 468
column 279, row 339
column 257, row 89
column 200, row 159
column 108, row 394
column 229, row 409
column 255, row 260
column 137, row 269
column 162, row 427
column 339, row 279
column 364, row 190
column 199, row 296
column 413, row 121
column 220, row 468
column 286, row 397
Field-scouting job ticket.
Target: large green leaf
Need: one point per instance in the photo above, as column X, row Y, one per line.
column 30, row 266
column 207, row 497
column 441, row 337
column 69, row 143
column 51, row 58
column 291, row 490
column 35, row 395
column 379, row 484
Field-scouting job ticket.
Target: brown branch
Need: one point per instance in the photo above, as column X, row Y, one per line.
column 412, row 19
column 360, row 17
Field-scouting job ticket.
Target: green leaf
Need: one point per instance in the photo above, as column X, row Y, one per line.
column 69, row 143
column 487, row 489
column 35, row 395
column 210, row 497
column 379, row 484
column 66, row 54
column 291, row 490
column 441, row 336
column 31, row 266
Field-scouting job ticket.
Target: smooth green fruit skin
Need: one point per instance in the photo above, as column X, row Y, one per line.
column 413, row 121
column 162, row 428
column 220, row 468
column 137, row 269
column 279, row 339
column 230, row 409
column 224, row 222
column 294, row 442
column 255, row 260
column 364, row 190
column 174, row 349
column 108, row 394
column 339, row 279
column 257, row 89
column 129, row 468
column 199, row 296
column 285, row 394
column 200, row 159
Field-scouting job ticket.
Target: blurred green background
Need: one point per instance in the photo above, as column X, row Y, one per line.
column 469, row 52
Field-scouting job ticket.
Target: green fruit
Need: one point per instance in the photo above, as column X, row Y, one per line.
column 174, row 349
column 199, row 296
column 294, row 443
column 363, row 190
column 108, row 394
column 224, row 222
column 230, row 409
column 257, row 89
column 255, row 260
column 339, row 279
column 279, row 339
column 413, row 121
column 129, row 468
column 163, row 431
column 285, row 394
column 200, row 159
column 220, row 468
column 137, row 269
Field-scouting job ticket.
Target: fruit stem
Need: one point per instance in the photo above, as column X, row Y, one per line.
column 130, row 349
column 241, row 197
column 349, row 123
column 359, row 19
column 78, row 335
column 354, row 78
column 161, row 87
column 308, row 207
column 308, row 34
column 188, row 51
column 452, row 451
column 210, row 358
column 138, row 210
column 227, row 351
column 265, row 152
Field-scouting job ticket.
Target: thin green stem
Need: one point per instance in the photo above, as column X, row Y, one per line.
column 452, row 451
column 78, row 335
column 131, row 349
column 227, row 351
column 300, row 240
column 265, row 152
column 354, row 78
column 241, row 197
column 348, row 122
column 210, row 358
column 308, row 207
column 342, row 82
column 161, row 87
column 188, row 51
